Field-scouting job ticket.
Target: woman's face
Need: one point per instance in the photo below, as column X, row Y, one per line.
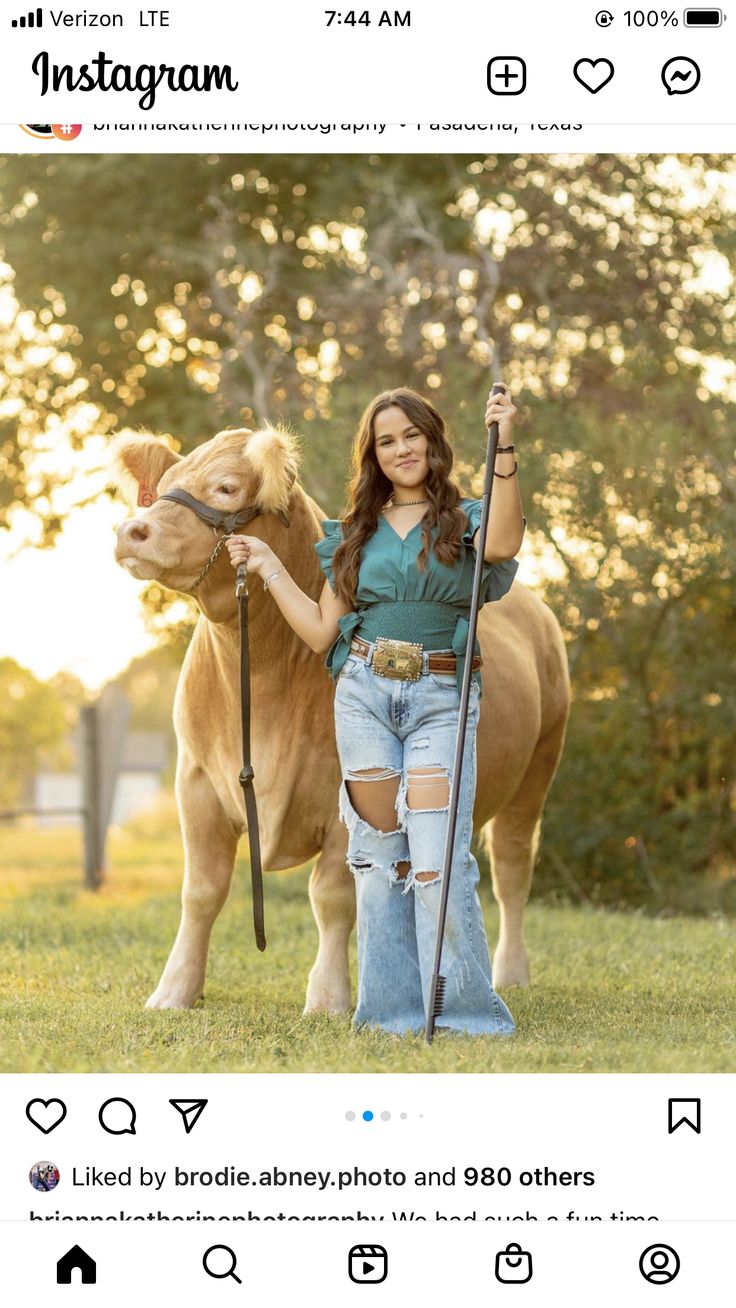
column 401, row 450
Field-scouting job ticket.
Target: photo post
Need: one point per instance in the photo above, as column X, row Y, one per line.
column 367, row 735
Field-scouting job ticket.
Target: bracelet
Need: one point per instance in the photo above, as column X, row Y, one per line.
column 503, row 449
column 506, row 475
column 273, row 577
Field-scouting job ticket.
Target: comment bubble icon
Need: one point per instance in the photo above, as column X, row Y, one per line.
column 117, row 1117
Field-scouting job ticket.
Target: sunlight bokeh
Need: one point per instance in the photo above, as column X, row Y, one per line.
column 73, row 608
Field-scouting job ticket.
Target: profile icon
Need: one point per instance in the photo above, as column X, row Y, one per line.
column 659, row 1264
column 44, row 1176
column 52, row 131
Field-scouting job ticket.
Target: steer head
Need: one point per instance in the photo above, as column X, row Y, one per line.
column 235, row 470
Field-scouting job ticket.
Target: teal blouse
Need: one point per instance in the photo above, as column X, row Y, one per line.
column 396, row 600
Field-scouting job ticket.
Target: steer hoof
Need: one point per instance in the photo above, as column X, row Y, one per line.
column 325, row 998
column 510, row 969
column 336, row 1007
column 170, row 999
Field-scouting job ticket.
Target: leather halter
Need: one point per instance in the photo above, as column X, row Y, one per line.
column 229, row 523
column 219, row 520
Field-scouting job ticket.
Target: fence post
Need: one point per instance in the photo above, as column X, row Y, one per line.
column 91, row 796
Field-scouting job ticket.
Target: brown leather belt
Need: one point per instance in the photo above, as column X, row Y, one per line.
column 435, row 662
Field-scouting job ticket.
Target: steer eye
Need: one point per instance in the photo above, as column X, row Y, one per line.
column 226, row 490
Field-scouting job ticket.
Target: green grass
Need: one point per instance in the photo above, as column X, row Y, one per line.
column 611, row 992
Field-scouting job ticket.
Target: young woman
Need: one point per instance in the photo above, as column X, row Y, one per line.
column 393, row 613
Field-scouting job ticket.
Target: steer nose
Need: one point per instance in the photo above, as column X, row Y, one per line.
column 134, row 530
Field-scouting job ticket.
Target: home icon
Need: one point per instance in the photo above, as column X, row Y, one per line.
column 76, row 1257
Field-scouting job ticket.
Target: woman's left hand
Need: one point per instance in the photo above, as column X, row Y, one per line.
column 501, row 409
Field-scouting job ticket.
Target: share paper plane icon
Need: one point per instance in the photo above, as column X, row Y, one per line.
column 191, row 1110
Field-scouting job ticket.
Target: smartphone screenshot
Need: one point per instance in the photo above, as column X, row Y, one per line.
column 367, row 800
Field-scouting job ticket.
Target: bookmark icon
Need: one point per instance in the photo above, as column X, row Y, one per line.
column 683, row 1112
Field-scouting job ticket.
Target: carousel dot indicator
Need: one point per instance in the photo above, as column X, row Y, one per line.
column 350, row 1116
column 367, row 1116
column 402, row 1116
column 385, row 1117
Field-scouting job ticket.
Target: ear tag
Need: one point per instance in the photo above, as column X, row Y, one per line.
column 146, row 495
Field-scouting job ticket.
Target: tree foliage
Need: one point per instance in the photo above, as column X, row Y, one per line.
column 189, row 293
column 35, row 719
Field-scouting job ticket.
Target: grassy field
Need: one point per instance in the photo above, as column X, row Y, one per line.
column 612, row 992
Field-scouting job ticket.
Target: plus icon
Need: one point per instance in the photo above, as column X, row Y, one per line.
column 506, row 75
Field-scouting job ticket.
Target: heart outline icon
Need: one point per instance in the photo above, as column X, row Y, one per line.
column 592, row 64
column 46, row 1104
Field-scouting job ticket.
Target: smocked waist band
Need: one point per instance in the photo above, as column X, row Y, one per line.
column 424, row 622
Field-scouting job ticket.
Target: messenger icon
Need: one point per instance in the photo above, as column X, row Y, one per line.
column 513, row 1265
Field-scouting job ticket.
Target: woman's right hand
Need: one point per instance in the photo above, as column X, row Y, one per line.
column 253, row 552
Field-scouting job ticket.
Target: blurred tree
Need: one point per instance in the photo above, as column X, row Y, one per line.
column 43, row 409
column 206, row 291
column 149, row 681
column 35, row 718
column 212, row 290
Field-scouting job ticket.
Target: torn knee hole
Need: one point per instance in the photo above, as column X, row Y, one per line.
column 428, row 789
column 402, row 869
column 426, row 877
column 374, row 806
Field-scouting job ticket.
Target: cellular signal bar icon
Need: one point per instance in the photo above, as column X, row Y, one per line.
column 33, row 20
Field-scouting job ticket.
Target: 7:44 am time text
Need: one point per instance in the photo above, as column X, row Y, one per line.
column 364, row 18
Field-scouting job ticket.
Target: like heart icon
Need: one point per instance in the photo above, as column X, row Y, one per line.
column 593, row 73
column 46, row 1114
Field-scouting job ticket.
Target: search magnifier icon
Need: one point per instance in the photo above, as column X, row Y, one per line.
column 217, row 1266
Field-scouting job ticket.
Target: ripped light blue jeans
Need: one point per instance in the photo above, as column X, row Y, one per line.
column 394, row 725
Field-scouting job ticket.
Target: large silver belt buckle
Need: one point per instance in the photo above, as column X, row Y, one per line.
column 400, row 659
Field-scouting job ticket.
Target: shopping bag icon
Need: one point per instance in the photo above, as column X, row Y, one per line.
column 513, row 1265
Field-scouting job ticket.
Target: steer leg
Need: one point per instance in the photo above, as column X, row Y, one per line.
column 514, row 841
column 210, row 845
column 332, row 896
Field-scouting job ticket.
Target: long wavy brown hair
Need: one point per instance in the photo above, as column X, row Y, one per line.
column 369, row 490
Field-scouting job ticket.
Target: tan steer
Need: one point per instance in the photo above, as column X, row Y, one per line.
column 521, row 731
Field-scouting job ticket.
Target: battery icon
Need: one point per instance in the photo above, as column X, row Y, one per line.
column 703, row 17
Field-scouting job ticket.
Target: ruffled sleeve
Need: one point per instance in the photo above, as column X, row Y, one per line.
column 497, row 577
column 332, row 527
column 349, row 622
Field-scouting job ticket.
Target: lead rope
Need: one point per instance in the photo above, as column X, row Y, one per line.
column 246, row 774
column 228, row 523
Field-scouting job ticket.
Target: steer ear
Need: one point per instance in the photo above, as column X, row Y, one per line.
column 275, row 457
column 137, row 464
